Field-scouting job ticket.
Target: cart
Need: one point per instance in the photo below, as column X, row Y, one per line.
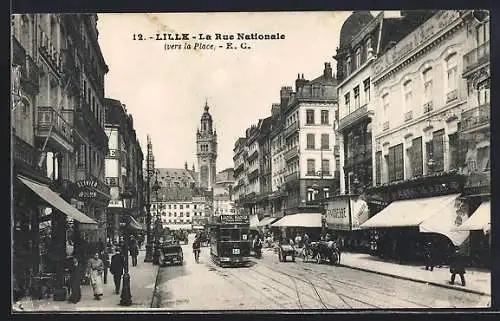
column 284, row 251
column 320, row 252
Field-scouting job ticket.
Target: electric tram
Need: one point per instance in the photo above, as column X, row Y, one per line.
column 229, row 240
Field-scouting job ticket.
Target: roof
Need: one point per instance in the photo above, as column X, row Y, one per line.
column 225, row 175
column 356, row 21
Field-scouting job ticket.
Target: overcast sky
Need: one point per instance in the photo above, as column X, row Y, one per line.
column 165, row 90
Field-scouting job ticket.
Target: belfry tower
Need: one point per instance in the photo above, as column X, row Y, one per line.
column 206, row 150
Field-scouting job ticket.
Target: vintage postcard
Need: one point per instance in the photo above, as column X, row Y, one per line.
column 331, row 160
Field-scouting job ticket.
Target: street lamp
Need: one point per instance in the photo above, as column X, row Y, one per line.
column 431, row 163
column 322, row 202
column 126, row 296
column 156, row 250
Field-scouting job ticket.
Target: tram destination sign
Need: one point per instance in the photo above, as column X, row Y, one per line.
column 237, row 218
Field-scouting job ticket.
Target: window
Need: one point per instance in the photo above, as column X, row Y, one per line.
column 325, row 166
column 395, row 163
column 416, row 157
column 310, row 141
column 356, row 97
column 310, row 117
column 366, row 84
column 385, row 106
column 369, row 49
column 483, row 33
column 175, row 206
column 427, row 76
column 452, row 73
column 348, row 66
column 378, row 168
column 194, row 206
column 347, row 102
column 358, row 58
column 483, row 92
column 310, row 194
column 181, row 214
column 181, row 206
column 324, row 117
column 408, row 95
column 311, row 167
column 169, row 206
column 438, row 150
column 325, row 141
column 453, row 142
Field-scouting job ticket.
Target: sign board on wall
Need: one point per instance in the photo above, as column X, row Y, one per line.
column 337, row 214
column 359, row 211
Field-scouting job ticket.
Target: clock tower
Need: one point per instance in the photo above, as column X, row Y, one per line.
column 206, row 150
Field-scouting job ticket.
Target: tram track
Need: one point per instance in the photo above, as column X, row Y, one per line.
column 361, row 289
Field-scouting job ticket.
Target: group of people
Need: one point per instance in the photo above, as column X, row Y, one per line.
column 96, row 269
column 457, row 266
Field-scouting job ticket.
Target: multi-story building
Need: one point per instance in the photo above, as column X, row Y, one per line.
column 179, row 203
column 474, row 127
column 309, row 138
column 240, row 154
column 222, row 193
column 124, row 163
column 278, row 166
column 362, row 38
column 206, row 142
column 418, row 98
column 59, row 138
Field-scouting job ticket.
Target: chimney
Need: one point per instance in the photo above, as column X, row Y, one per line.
column 327, row 72
column 185, row 165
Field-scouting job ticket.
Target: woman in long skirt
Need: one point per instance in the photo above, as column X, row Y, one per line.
column 95, row 270
column 76, row 279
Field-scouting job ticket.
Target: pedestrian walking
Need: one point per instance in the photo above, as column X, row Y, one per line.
column 457, row 266
column 104, row 256
column 134, row 252
column 95, row 270
column 116, row 268
column 429, row 256
column 76, row 272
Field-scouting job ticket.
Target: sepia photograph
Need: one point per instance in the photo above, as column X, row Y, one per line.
column 250, row 161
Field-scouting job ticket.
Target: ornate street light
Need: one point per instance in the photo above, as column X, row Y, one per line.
column 126, row 296
column 156, row 250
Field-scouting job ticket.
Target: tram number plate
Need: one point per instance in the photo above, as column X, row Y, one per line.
column 236, row 251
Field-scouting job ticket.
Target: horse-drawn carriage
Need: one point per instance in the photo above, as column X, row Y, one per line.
column 321, row 252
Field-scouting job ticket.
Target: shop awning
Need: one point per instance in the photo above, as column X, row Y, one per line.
column 409, row 212
column 299, row 220
column 266, row 221
column 135, row 225
column 179, row 227
column 479, row 220
column 431, row 215
column 55, row 200
column 198, row 227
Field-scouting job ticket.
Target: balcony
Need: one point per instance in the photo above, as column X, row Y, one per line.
column 477, row 57
column 408, row 116
column 354, row 117
column 49, row 51
column 428, row 107
column 475, row 118
column 26, row 157
column 29, row 70
column 291, row 129
column 253, row 155
column 87, row 122
column 291, row 177
column 57, row 127
column 291, row 153
column 385, row 125
column 69, row 67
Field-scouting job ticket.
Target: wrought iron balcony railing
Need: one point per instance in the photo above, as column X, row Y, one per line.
column 475, row 117
column 428, row 107
column 477, row 57
column 291, row 177
column 291, row 129
column 408, row 115
column 47, row 117
column 291, row 153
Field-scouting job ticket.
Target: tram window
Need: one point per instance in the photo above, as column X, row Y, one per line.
column 225, row 235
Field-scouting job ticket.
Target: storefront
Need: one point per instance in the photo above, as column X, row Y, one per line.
column 289, row 226
column 418, row 211
column 40, row 235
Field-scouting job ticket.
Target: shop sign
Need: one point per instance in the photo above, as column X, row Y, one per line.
column 87, row 183
column 115, row 203
column 237, row 218
column 337, row 214
column 87, row 194
column 360, row 212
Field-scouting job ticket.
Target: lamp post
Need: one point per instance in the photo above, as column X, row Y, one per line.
column 156, row 250
column 321, row 191
column 126, row 295
column 149, row 248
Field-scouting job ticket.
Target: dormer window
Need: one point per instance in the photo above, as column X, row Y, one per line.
column 357, row 61
column 369, row 49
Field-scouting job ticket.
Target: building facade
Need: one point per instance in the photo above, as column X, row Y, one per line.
column 223, row 192
column 419, row 102
column 124, row 162
column 206, row 142
column 240, row 153
column 309, row 138
column 59, row 140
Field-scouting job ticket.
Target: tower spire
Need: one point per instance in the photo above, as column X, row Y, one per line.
column 206, row 104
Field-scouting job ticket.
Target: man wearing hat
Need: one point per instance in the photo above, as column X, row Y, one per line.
column 116, row 268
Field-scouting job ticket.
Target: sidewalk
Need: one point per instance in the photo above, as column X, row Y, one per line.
column 477, row 281
column 142, row 281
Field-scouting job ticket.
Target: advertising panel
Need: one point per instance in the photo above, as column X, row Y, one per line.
column 337, row 214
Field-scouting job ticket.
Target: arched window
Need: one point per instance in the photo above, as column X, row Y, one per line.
column 451, row 76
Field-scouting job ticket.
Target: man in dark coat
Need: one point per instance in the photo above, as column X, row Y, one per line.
column 116, row 268
column 76, row 278
column 457, row 266
column 134, row 251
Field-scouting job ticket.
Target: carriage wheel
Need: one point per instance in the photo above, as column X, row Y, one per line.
column 318, row 258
